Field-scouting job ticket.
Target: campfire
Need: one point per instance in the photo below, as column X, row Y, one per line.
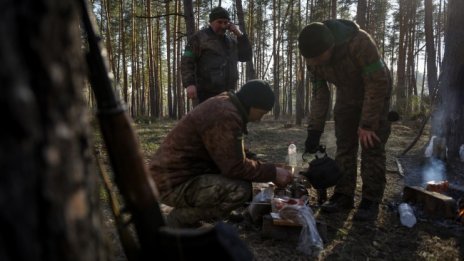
column 460, row 217
column 434, row 184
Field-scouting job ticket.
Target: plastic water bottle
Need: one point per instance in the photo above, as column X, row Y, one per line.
column 461, row 153
column 292, row 156
column 407, row 216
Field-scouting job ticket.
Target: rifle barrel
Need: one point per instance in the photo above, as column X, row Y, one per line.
column 131, row 175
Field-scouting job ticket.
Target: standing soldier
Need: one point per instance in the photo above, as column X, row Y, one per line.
column 339, row 52
column 209, row 63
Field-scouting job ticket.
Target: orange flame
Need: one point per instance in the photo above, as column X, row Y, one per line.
column 461, row 216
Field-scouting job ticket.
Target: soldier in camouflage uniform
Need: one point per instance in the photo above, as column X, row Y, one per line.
column 339, row 52
column 209, row 62
column 200, row 168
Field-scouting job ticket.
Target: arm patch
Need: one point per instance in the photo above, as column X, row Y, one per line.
column 188, row 53
column 373, row 67
column 240, row 145
column 316, row 85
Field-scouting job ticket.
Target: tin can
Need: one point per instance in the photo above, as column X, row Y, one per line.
column 437, row 186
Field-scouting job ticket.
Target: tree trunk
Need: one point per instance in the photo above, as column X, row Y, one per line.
column 361, row 13
column 168, row 61
column 333, row 9
column 189, row 24
column 189, row 20
column 180, row 90
column 151, row 65
column 430, row 47
column 158, row 75
column 109, row 48
column 48, row 189
column 290, row 61
column 452, row 83
column 300, row 73
column 250, row 71
column 122, row 41
column 134, row 58
column 410, row 68
column 401, row 63
column 275, row 54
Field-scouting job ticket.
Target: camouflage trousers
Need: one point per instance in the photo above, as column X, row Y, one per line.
column 205, row 198
column 373, row 160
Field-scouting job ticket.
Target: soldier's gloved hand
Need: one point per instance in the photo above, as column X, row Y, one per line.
column 312, row 141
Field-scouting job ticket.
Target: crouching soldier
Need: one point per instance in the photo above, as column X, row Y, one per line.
column 200, row 168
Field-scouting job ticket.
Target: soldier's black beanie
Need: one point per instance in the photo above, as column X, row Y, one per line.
column 257, row 94
column 218, row 13
column 315, row 39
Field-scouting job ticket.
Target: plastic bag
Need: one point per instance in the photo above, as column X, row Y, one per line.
column 265, row 195
column 310, row 242
column 260, row 205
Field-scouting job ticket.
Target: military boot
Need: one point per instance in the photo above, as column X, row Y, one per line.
column 367, row 210
column 338, row 202
column 177, row 219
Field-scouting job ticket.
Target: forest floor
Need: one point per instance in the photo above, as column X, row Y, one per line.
column 345, row 239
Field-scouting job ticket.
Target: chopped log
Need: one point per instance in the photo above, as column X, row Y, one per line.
column 433, row 204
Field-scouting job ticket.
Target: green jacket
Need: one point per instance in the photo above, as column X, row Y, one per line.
column 359, row 73
column 210, row 61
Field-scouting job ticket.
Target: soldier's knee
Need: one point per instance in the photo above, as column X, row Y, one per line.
column 244, row 190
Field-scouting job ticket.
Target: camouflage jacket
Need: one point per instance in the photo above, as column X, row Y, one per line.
column 208, row 140
column 359, row 73
column 210, row 61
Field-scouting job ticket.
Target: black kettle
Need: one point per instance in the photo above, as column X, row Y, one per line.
column 323, row 171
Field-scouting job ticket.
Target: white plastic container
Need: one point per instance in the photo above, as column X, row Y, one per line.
column 292, row 155
column 407, row 216
column 461, row 152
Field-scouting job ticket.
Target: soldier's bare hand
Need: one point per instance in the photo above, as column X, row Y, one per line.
column 283, row 177
column 367, row 138
column 191, row 92
column 234, row 29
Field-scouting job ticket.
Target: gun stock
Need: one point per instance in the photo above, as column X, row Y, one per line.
column 130, row 173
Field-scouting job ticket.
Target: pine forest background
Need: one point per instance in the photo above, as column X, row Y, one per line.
column 145, row 41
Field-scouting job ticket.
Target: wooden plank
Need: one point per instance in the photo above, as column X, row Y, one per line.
column 287, row 231
column 434, row 204
column 278, row 221
column 279, row 232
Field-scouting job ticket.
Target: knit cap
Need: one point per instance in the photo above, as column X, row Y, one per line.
column 218, row 13
column 257, row 94
column 315, row 39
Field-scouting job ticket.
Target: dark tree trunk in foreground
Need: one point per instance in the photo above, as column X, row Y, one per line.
column 48, row 188
column 452, row 83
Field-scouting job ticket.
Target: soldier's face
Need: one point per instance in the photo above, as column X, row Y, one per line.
column 322, row 59
column 220, row 26
column 256, row 114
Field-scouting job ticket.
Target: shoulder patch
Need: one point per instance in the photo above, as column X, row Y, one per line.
column 317, row 85
column 188, row 53
column 240, row 144
column 373, row 67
